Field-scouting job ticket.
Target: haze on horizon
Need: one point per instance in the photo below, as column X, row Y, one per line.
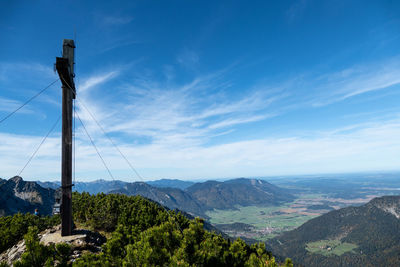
column 215, row 90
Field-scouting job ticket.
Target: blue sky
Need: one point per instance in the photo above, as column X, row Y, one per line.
column 208, row 89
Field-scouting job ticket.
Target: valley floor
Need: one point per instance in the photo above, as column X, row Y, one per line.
column 260, row 223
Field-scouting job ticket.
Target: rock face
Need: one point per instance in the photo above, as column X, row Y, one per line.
column 17, row 195
column 81, row 241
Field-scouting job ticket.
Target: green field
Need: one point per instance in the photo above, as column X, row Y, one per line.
column 269, row 221
column 330, row 247
column 258, row 216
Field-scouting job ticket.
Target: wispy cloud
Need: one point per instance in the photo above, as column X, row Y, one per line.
column 97, row 79
column 179, row 114
column 117, row 44
column 169, row 129
column 27, row 70
column 371, row 82
column 21, row 80
column 319, row 90
column 188, row 58
column 232, row 122
column 183, row 115
column 117, row 20
column 364, row 79
column 9, row 105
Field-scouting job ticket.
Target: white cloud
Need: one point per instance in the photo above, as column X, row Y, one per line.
column 373, row 147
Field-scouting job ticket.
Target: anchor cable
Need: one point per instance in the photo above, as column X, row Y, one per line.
column 41, row 143
column 130, row 165
column 128, row 162
column 95, row 147
column 73, row 142
column 29, row 100
column 111, row 141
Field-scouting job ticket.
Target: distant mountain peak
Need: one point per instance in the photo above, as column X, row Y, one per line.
column 252, row 181
column 17, row 195
column 170, row 183
column 16, row 179
column 389, row 204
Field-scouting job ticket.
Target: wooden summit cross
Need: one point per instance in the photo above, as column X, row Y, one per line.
column 65, row 70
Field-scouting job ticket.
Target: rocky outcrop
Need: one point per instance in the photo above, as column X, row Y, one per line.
column 14, row 253
column 81, row 241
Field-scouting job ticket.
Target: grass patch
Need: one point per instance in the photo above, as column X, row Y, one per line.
column 330, row 247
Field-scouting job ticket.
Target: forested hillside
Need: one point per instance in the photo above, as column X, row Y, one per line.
column 368, row 235
column 141, row 233
column 201, row 197
column 172, row 198
column 241, row 191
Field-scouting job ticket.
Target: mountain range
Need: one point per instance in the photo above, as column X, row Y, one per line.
column 201, row 197
column 368, row 235
column 193, row 198
column 94, row 187
column 105, row 186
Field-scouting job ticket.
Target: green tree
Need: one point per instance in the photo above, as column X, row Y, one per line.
column 143, row 233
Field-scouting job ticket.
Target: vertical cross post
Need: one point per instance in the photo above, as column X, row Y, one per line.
column 65, row 69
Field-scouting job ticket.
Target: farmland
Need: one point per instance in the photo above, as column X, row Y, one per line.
column 330, row 247
column 267, row 221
